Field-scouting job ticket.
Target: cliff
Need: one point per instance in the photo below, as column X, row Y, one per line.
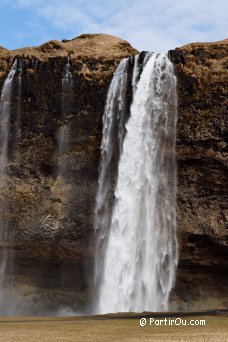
column 51, row 216
column 202, row 171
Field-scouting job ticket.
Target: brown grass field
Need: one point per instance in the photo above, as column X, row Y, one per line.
column 104, row 329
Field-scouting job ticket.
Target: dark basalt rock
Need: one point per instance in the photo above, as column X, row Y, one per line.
column 202, row 172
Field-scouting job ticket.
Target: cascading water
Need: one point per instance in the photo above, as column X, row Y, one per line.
column 19, row 78
column 113, row 134
column 67, row 79
column 5, row 113
column 136, row 268
column 62, row 146
column 67, row 86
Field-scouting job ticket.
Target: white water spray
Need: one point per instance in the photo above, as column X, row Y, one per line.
column 139, row 260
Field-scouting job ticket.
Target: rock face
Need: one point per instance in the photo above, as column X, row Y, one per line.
column 50, row 215
column 201, row 69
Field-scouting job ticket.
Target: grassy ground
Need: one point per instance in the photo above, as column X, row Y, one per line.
column 83, row 329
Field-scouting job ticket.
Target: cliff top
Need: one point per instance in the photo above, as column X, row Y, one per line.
column 215, row 50
column 204, row 44
column 95, row 46
column 86, row 45
column 2, row 49
column 206, row 60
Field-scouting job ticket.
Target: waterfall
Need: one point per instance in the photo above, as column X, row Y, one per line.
column 63, row 133
column 113, row 134
column 67, row 79
column 62, row 147
column 19, row 90
column 5, row 113
column 136, row 250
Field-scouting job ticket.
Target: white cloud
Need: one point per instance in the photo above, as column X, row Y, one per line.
column 146, row 24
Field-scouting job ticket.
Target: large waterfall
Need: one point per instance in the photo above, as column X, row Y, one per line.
column 5, row 113
column 136, row 236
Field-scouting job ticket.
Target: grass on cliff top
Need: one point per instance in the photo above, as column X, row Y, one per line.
column 83, row 329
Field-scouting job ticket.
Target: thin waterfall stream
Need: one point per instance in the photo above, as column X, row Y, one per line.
column 19, row 80
column 136, row 244
column 5, row 114
column 62, row 139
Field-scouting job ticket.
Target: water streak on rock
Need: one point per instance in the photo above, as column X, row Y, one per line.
column 64, row 130
column 5, row 113
column 19, row 92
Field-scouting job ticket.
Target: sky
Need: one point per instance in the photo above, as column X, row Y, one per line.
column 152, row 25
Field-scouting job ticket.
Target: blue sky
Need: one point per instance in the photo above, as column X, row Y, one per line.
column 155, row 25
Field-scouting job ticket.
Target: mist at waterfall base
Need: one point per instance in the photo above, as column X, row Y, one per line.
column 135, row 216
